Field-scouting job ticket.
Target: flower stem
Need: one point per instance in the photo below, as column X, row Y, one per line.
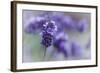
column 44, row 53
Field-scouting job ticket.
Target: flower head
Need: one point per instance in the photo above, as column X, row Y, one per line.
column 49, row 28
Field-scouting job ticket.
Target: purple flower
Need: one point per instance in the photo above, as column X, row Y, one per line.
column 49, row 28
column 59, row 44
column 76, row 49
column 82, row 25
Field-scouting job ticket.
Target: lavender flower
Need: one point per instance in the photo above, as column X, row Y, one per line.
column 48, row 31
column 82, row 25
column 49, row 28
column 76, row 49
column 59, row 43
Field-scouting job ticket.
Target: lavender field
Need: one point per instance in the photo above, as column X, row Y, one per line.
column 55, row 36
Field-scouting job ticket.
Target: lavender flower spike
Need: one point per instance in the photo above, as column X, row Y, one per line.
column 76, row 49
column 48, row 31
column 59, row 44
column 82, row 25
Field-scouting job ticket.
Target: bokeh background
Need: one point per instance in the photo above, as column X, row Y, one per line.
column 33, row 51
